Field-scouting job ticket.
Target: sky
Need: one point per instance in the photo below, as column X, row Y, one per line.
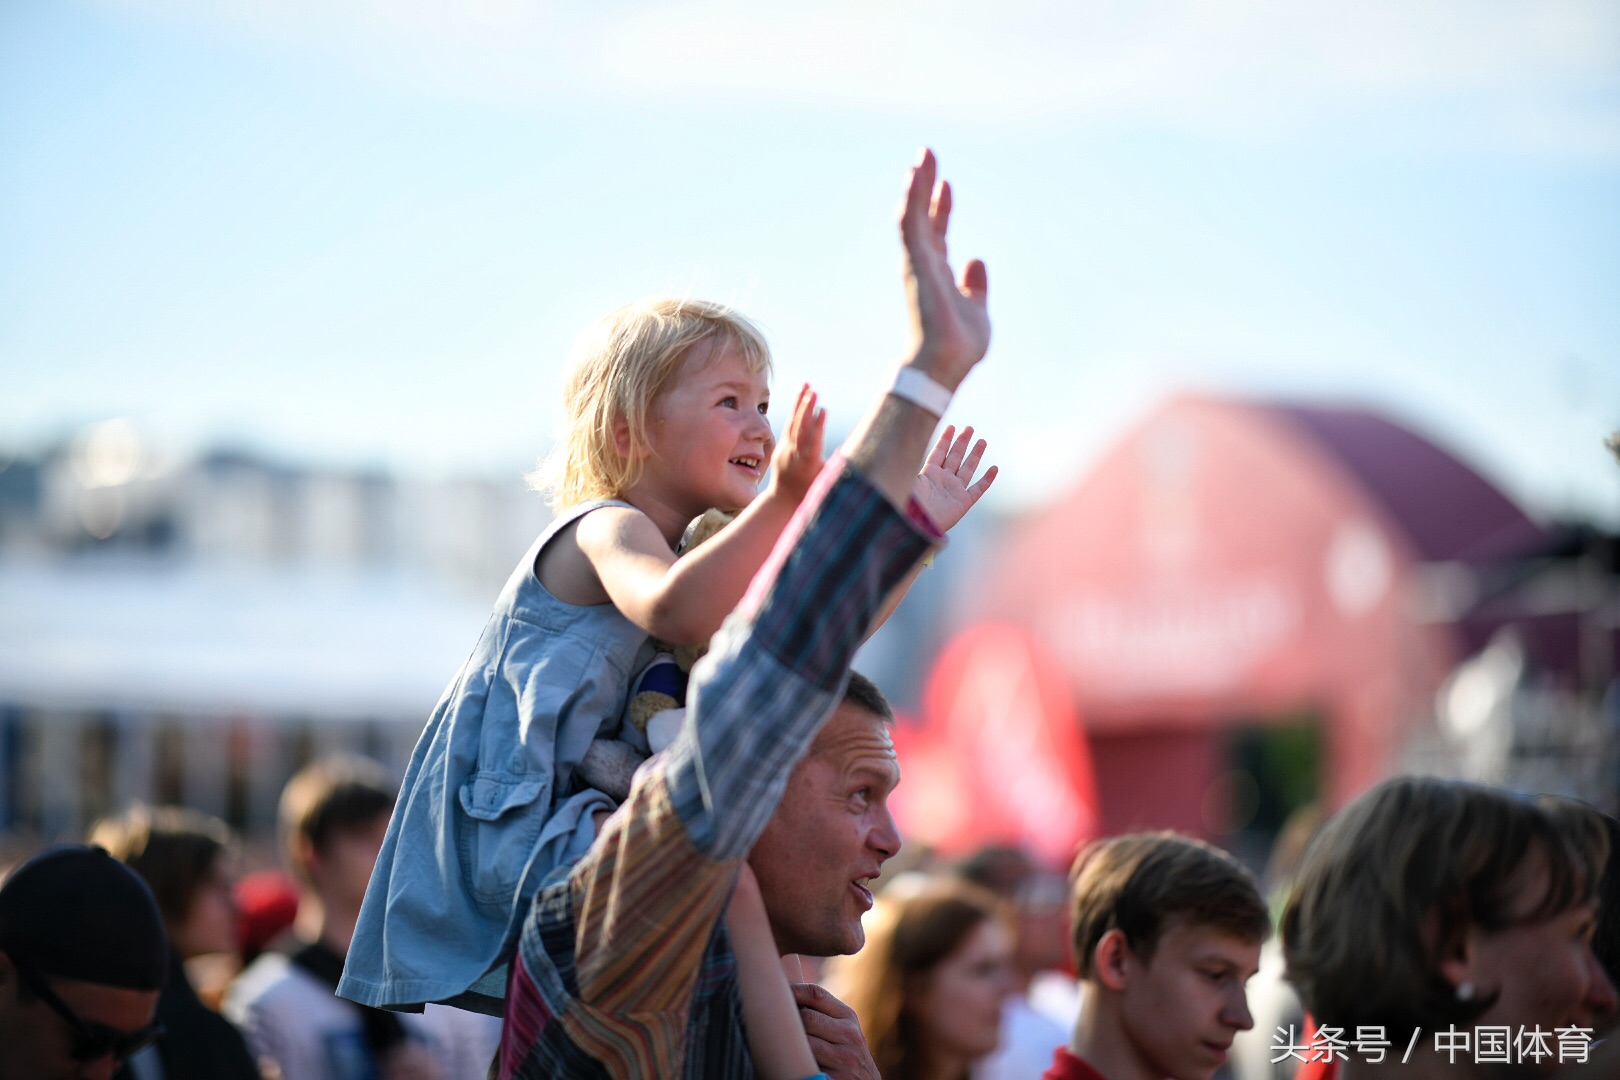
column 362, row 233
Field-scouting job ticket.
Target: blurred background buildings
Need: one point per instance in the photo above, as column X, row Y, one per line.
column 1243, row 610
column 191, row 631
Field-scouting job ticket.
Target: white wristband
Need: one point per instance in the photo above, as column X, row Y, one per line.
column 916, row 387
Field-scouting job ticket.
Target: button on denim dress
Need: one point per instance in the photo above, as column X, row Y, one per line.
column 486, row 810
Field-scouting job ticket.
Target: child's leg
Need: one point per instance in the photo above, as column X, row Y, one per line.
column 775, row 1035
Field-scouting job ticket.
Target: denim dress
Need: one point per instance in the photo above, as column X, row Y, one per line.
column 487, row 809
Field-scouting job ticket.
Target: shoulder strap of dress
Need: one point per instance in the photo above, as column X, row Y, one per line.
column 579, row 510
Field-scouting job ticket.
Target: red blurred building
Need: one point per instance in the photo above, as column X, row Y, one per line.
column 1248, row 606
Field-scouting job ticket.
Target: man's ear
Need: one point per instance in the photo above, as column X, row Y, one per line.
column 1110, row 958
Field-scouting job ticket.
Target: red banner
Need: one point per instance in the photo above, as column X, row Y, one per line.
column 999, row 755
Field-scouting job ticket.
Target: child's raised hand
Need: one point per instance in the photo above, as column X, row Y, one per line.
column 950, row 319
column 945, row 487
column 797, row 460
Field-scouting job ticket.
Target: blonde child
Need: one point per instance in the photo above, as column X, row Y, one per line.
column 665, row 418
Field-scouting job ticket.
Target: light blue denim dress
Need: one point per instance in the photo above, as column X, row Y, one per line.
column 486, row 809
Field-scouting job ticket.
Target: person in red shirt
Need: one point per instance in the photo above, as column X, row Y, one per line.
column 1167, row 931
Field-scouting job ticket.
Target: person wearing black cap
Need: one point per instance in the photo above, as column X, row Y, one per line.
column 83, row 955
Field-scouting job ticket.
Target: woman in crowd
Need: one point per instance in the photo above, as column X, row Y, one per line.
column 1446, row 928
column 930, row 984
column 187, row 858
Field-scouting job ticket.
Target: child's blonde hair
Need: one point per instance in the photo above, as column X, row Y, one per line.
column 621, row 367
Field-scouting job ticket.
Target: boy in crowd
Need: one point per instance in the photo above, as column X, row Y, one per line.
column 332, row 818
column 1167, row 930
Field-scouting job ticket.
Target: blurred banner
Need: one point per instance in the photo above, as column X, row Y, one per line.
column 999, row 755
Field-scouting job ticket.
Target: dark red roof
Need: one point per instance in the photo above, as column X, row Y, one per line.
column 1447, row 509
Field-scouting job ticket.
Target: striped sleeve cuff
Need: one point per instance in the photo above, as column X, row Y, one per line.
column 812, row 604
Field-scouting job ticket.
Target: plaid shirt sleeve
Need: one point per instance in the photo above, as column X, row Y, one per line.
column 608, row 965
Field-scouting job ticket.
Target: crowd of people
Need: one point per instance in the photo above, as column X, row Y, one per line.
column 100, row 934
column 566, row 884
column 1434, row 928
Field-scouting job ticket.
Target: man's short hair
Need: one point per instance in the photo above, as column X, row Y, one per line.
column 864, row 694
column 1394, row 879
column 172, row 847
column 1143, row 883
column 75, row 912
column 335, row 794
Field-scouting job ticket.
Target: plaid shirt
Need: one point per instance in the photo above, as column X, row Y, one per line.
column 623, row 968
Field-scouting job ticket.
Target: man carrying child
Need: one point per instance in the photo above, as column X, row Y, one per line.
column 624, row 968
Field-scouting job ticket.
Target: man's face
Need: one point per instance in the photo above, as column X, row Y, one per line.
column 1181, row 1008
column 37, row 1043
column 830, row 837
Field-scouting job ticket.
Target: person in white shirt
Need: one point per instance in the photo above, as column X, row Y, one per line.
column 332, row 817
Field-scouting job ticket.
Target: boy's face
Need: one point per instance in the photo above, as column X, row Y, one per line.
column 1181, row 1008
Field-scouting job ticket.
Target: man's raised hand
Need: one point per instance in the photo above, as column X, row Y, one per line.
column 950, row 318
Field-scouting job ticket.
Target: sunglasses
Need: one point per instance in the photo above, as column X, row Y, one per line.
column 90, row 1041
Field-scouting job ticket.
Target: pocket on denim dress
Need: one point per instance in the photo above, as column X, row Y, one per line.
column 538, row 717
column 503, row 816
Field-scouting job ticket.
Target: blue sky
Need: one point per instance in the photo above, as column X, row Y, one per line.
column 353, row 232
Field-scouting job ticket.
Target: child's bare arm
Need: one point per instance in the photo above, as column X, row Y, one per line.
column 684, row 601
column 776, row 1037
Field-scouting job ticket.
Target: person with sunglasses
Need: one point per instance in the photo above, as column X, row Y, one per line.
column 83, row 955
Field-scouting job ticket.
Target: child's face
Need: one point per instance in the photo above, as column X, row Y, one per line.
column 710, row 440
column 1182, row 1007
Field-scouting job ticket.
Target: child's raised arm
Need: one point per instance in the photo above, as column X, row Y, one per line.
column 684, row 601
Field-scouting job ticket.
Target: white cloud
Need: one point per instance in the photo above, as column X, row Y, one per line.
column 1534, row 78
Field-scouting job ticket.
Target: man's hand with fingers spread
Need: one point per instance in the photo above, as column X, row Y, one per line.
column 950, row 318
column 835, row 1035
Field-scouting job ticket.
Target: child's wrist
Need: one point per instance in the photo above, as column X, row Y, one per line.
column 783, row 496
